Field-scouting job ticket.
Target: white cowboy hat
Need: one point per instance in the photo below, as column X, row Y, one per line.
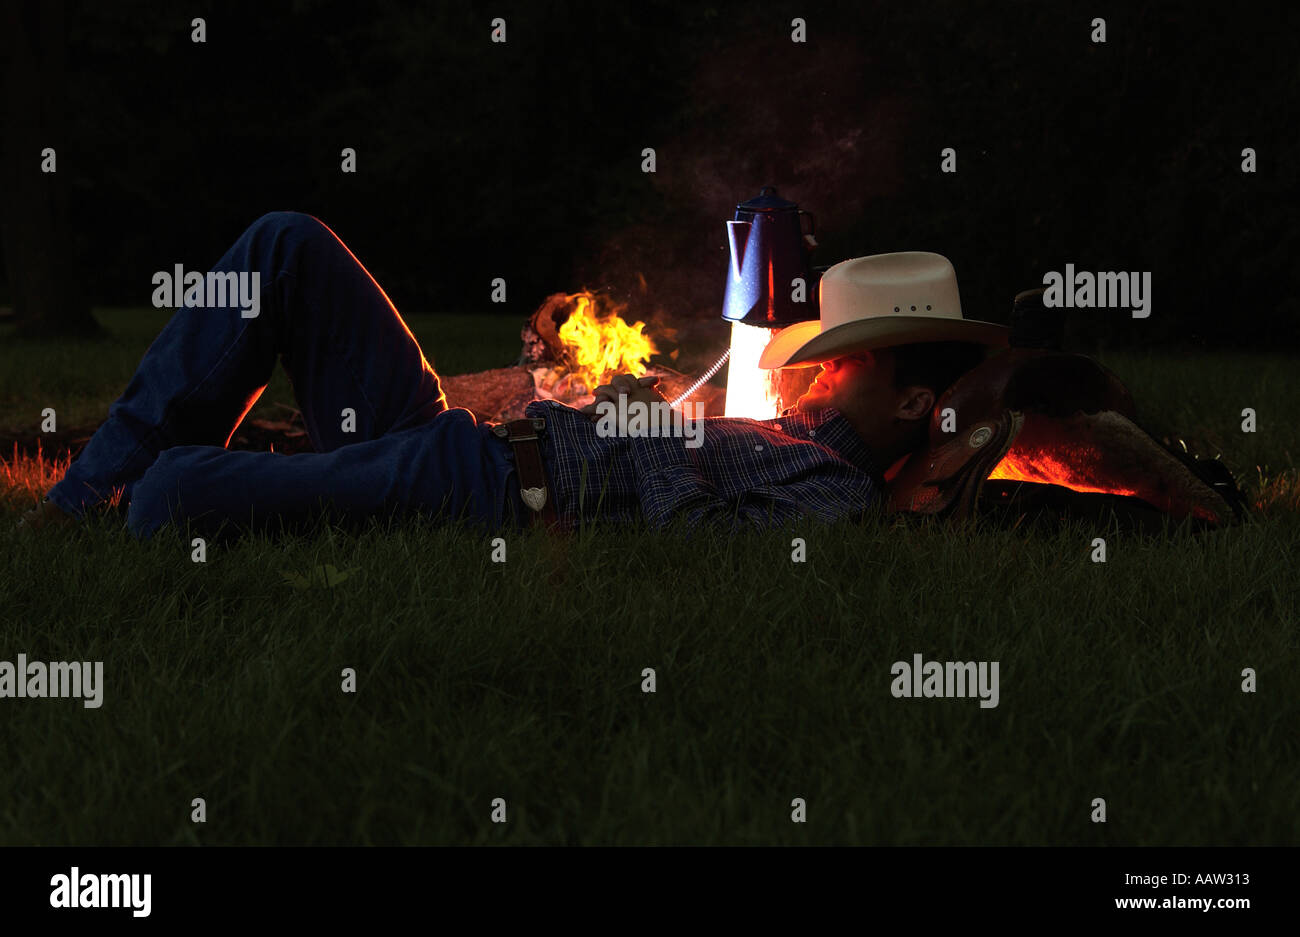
column 878, row 301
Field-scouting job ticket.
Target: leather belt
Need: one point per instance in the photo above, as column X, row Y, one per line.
column 533, row 491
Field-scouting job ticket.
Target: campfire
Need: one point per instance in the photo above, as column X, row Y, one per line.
column 591, row 344
column 572, row 344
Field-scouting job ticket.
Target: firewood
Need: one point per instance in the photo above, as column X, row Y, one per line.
column 489, row 394
column 541, row 333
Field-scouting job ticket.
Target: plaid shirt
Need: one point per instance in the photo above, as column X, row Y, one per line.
column 758, row 473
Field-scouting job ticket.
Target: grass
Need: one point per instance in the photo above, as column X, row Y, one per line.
column 522, row 680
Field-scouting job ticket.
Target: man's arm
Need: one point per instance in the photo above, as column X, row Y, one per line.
column 669, row 486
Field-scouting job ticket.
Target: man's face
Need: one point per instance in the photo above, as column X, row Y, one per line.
column 859, row 385
column 889, row 419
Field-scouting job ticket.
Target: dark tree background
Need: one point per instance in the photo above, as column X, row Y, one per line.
column 522, row 160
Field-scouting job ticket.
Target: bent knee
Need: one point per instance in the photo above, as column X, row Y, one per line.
column 288, row 222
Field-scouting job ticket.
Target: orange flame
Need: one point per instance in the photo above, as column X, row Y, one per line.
column 1043, row 467
column 752, row 391
column 600, row 344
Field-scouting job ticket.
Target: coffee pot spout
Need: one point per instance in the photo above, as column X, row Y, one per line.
column 738, row 234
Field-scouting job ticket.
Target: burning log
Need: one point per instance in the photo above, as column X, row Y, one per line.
column 541, row 333
column 572, row 344
column 585, row 334
column 502, row 394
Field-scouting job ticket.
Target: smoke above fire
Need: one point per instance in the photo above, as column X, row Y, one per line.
column 832, row 152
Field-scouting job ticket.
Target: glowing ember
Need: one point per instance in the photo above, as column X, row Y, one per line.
column 1057, row 467
column 1084, row 453
column 751, row 391
column 1106, row 453
column 599, row 344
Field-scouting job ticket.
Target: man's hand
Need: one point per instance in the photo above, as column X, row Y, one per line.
column 634, row 388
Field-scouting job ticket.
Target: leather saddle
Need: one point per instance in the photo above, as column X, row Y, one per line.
column 1029, row 418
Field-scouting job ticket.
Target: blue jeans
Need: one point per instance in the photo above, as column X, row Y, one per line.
column 345, row 348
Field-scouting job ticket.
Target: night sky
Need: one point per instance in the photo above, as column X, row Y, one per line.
column 523, row 159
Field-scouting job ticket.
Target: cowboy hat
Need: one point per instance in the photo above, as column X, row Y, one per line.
column 879, row 301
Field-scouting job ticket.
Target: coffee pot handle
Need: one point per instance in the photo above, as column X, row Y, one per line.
column 810, row 238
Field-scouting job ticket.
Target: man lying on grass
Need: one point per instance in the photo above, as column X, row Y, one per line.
column 890, row 340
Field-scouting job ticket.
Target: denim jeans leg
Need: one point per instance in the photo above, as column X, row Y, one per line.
column 343, row 344
column 449, row 469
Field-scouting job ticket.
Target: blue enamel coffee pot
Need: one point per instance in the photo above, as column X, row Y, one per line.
column 769, row 280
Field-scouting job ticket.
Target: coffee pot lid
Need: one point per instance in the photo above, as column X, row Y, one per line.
column 767, row 200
